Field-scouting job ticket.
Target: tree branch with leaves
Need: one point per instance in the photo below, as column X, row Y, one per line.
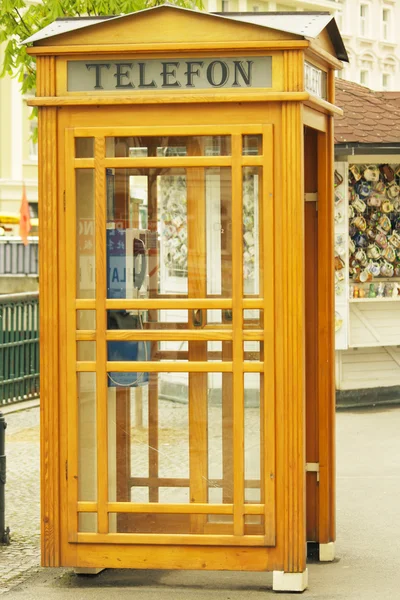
column 19, row 19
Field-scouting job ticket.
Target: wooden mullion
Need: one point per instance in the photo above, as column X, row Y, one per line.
column 197, row 288
column 171, row 539
column 101, row 350
column 71, row 353
column 268, row 393
column 237, row 347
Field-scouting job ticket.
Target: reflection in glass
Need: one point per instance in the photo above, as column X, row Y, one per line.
column 87, row 444
column 85, row 234
column 86, row 319
column 251, row 231
column 86, row 350
column 252, row 145
column 153, row 222
column 252, row 437
column 84, row 147
column 253, row 318
column 87, row 522
column 251, row 351
column 136, row 147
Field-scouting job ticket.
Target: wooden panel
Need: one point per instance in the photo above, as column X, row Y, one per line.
column 185, row 557
column 326, row 341
column 293, row 71
column 194, row 97
column 368, row 368
column 198, row 382
column 49, row 349
column 237, row 346
column 167, row 539
column 311, row 323
column 101, row 345
column 290, row 337
column 49, row 321
column 374, row 323
column 267, row 391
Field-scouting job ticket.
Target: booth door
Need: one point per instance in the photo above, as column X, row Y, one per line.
column 169, row 254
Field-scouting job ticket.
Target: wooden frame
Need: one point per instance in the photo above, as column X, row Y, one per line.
column 279, row 114
column 236, row 334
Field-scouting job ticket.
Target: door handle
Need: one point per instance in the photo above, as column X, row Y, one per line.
column 197, row 317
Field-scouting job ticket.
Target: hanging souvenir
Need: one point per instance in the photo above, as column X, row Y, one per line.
column 387, row 172
column 359, row 205
column 355, row 172
column 393, row 191
column 373, row 251
column 381, row 240
column 363, row 188
column 374, row 201
column 385, row 223
column 387, row 206
column 389, row 253
column 360, row 223
column 371, row 173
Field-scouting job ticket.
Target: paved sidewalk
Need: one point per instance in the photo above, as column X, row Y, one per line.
column 368, row 525
column 22, row 497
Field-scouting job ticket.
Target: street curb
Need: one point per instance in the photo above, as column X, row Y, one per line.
column 8, row 409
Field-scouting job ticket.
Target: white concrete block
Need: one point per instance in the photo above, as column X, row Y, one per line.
column 289, row 582
column 327, row 552
column 87, row 570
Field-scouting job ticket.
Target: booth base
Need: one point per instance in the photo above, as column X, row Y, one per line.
column 290, row 582
column 327, row 552
column 88, row 570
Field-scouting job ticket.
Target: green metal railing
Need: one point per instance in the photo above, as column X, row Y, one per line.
column 19, row 347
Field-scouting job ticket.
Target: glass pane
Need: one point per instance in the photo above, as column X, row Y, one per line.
column 87, row 523
column 251, row 230
column 252, row 437
column 85, row 234
column 253, row 318
column 148, row 319
column 252, row 145
column 86, row 319
column 87, row 440
column 220, row 436
column 252, row 351
column 219, row 232
column 84, row 147
column 155, row 233
column 86, row 350
column 168, row 146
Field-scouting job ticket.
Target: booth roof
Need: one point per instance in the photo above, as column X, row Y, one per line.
column 368, row 117
column 308, row 25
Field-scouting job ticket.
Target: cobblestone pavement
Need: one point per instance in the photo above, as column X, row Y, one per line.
column 22, row 499
column 23, row 485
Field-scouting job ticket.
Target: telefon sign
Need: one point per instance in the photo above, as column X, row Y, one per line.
column 169, row 74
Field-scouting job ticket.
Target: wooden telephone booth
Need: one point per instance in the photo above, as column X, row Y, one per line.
column 186, row 290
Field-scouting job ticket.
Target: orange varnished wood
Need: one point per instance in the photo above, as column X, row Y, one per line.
column 326, row 383
column 311, row 324
column 49, row 321
column 290, row 298
column 297, row 344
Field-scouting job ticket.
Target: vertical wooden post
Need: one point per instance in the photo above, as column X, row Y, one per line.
column 49, row 319
column 290, row 348
column 326, row 339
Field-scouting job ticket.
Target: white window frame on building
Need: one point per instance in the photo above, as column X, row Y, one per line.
column 386, row 23
column 386, row 80
column 224, row 5
column 364, row 77
column 364, row 19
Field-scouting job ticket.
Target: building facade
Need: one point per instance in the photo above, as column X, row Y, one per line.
column 368, row 28
column 18, row 151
